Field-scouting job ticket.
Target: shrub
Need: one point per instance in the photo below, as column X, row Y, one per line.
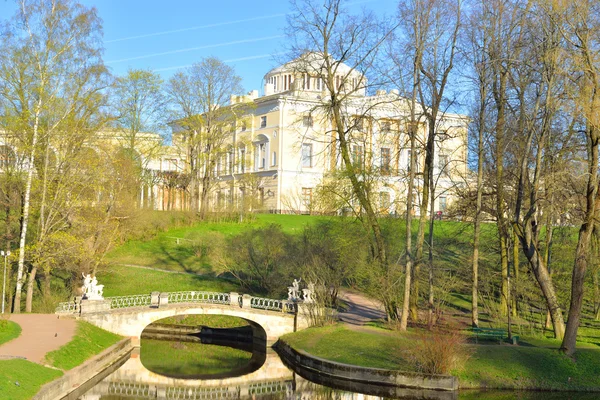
column 438, row 352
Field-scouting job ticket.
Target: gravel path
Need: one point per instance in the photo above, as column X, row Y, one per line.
column 40, row 334
column 361, row 309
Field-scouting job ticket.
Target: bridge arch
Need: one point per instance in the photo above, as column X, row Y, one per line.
column 267, row 326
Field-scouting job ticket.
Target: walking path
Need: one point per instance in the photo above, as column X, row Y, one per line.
column 361, row 309
column 40, row 334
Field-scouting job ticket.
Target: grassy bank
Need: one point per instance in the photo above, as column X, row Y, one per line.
column 371, row 347
column 87, row 342
column 535, row 364
column 21, row 379
column 8, row 331
column 121, row 280
column 164, row 251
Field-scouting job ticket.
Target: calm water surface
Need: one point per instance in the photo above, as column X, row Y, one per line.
column 171, row 370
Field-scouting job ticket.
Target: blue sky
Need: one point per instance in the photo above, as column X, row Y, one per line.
column 163, row 35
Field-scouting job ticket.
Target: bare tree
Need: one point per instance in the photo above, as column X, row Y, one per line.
column 340, row 49
column 432, row 28
column 581, row 29
column 200, row 96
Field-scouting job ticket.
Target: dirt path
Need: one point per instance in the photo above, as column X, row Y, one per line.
column 361, row 309
column 41, row 333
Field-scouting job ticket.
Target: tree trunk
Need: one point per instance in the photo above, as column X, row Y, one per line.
column 596, row 295
column 544, row 280
column 409, row 206
column 582, row 252
column 478, row 204
column 30, row 284
column 515, row 282
column 422, row 222
column 25, row 218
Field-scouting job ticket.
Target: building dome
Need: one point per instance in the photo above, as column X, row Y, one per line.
column 306, row 74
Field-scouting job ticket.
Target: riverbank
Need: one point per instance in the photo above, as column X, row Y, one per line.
column 535, row 364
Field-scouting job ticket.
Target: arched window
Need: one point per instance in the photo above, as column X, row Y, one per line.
column 261, row 152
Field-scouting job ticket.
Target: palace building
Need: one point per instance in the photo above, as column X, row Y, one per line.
column 284, row 153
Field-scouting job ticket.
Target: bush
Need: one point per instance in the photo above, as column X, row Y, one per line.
column 438, row 352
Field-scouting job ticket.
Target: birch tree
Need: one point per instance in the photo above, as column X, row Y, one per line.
column 51, row 48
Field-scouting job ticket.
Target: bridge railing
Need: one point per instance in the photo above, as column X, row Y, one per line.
column 159, row 299
column 199, row 297
column 272, row 304
column 136, row 300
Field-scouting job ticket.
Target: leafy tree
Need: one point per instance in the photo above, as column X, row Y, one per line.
column 54, row 48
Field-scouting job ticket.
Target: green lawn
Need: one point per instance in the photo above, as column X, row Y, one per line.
column 189, row 359
column 87, row 342
column 535, row 364
column 371, row 347
column 121, row 281
column 8, row 331
column 21, row 379
column 521, row 367
column 163, row 251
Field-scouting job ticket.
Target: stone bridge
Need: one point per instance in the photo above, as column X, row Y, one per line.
column 129, row 315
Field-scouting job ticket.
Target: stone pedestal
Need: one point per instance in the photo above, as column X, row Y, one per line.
column 234, row 299
column 163, row 299
column 154, row 299
column 246, row 301
column 92, row 306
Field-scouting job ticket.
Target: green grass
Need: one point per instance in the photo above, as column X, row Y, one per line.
column 213, row 321
column 21, row 379
column 87, row 342
column 190, row 359
column 8, row 331
column 540, row 368
column 534, row 365
column 121, row 281
column 163, row 252
column 371, row 347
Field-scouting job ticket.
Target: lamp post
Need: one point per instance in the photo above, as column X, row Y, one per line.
column 4, row 254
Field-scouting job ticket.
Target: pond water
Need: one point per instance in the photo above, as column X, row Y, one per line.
column 176, row 370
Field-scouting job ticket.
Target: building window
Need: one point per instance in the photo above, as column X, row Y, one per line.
column 307, row 198
column 359, row 123
column 230, row 162
column 261, row 152
column 262, row 158
column 444, row 164
column 318, row 83
column 263, row 121
column 307, row 155
column 274, row 161
column 384, row 201
column 307, row 121
column 357, row 156
column 386, row 127
column 242, row 160
column 386, row 160
column 443, row 203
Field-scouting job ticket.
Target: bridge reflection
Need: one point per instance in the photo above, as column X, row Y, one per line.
column 273, row 380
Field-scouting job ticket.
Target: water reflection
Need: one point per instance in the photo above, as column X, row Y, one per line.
column 190, row 360
column 271, row 380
